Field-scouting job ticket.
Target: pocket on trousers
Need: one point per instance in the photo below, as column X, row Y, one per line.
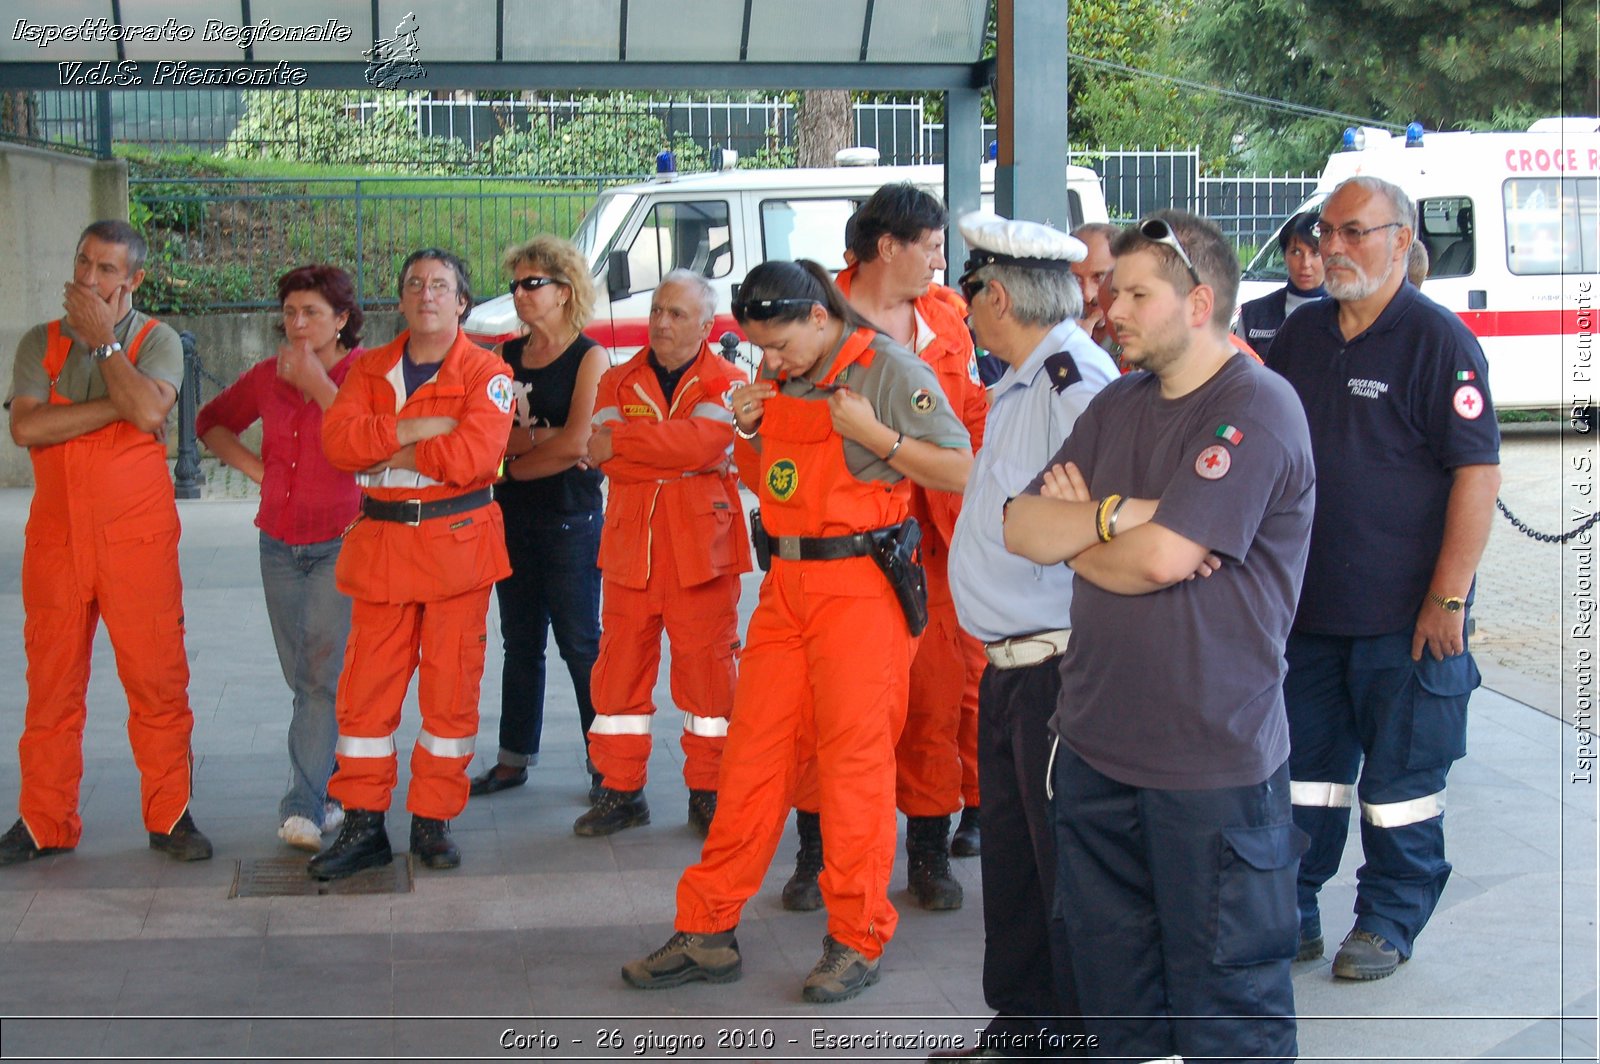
column 1439, row 710
column 1258, row 919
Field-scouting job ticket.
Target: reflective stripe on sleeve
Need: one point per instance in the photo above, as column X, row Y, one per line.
column 358, row 746
column 605, row 414
column 1399, row 814
column 706, row 727
column 714, row 411
column 440, row 747
column 1322, row 795
column 621, row 724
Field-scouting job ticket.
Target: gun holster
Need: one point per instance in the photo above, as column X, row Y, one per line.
column 895, row 549
column 760, row 540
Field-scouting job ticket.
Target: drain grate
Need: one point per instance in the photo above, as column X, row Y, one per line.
column 277, row 877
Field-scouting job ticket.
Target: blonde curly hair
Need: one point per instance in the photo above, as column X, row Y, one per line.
column 565, row 263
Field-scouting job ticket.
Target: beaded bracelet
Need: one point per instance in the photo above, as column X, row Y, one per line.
column 1100, row 512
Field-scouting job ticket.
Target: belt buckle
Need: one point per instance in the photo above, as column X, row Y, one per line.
column 417, row 520
column 786, row 547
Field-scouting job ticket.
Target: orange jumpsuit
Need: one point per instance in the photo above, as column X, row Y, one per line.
column 420, row 591
column 937, row 755
column 673, row 546
column 807, row 670
column 102, row 541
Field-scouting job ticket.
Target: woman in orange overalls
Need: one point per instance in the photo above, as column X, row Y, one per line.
column 838, row 420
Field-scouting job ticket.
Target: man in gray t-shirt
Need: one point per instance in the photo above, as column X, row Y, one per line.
column 1182, row 501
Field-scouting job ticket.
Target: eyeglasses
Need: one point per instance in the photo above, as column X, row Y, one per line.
column 531, row 284
column 971, row 286
column 1159, row 231
column 767, row 309
column 438, row 287
column 1349, row 232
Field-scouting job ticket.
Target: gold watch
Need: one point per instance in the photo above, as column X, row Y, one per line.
column 1453, row 604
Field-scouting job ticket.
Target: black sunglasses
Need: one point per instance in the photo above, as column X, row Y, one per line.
column 1159, row 231
column 531, row 284
column 971, row 286
column 767, row 309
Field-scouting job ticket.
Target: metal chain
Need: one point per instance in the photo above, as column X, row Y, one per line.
column 1543, row 537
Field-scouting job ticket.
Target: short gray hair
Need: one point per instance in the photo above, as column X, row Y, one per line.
column 701, row 286
column 1405, row 210
column 1038, row 297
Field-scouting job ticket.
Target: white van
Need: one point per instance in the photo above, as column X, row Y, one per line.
column 1511, row 222
column 720, row 225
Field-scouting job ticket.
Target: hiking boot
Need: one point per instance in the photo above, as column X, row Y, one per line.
column 613, row 811
column 1310, row 939
column 841, row 974
column 928, row 864
column 802, row 894
column 702, row 807
column 363, row 842
column 1365, row 956
column 966, row 842
column 184, row 842
column 685, row 958
column 430, row 842
column 17, row 845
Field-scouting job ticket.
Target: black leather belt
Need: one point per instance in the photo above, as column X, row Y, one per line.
column 415, row 511
column 821, row 548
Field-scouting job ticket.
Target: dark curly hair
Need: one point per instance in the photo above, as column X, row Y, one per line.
column 332, row 284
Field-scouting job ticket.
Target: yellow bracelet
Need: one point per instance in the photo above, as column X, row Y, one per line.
column 1101, row 529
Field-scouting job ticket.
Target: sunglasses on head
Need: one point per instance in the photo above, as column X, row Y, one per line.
column 1161, row 233
column 531, row 284
column 767, row 309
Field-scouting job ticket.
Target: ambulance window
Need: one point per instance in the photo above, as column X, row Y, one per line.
column 806, row 229
column 1449, row 234
column 1551, row 225
column 1074, row 208
column 693, row 235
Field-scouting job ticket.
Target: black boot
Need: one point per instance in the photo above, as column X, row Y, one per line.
column 430, row 842
column 363, row 842
column 702, row 808
column 612, row 811
column 967, row 842
column 802, row 894
column 928, row 863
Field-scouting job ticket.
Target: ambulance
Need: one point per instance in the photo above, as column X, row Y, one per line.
column 1511, row 221
column 720, row 224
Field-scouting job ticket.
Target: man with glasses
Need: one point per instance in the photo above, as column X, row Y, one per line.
column 1407, row 448
column 1024, row 301
column 1182, row 501
column 423, row 422
column 671, row 554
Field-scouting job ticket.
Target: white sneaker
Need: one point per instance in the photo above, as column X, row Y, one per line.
column 332, row 816
column 301, row 833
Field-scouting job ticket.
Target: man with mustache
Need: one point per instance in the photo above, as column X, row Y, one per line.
column 1407, row 454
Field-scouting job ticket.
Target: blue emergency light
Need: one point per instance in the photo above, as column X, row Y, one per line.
column 1414, row 133
column 994, row 150
column 667, row 162
column 1354, row 139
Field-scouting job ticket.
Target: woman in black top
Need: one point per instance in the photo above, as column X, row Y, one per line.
column 550, row 500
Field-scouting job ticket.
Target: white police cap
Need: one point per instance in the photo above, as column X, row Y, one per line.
column 992, row 239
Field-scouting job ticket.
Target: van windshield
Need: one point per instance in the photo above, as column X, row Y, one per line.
column 599, row 228
column 1268, row 263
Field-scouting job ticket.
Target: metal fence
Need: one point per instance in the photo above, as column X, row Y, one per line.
column 221, row 244
column 1248, row 208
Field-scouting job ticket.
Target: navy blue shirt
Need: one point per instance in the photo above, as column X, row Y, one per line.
column 1392, row 413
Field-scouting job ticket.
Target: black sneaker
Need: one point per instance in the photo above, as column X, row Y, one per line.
column 431, row 843
column 702, row 807
column 613, row 811
column 17, row 845
column 184, row 842
column 685, row 958
column 841, row 974
column 363, row 843
column 1365, row 956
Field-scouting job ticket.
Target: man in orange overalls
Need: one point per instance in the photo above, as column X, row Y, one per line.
column 671, row 552
column 90, row 397
column 896, row 242
column 423, row 419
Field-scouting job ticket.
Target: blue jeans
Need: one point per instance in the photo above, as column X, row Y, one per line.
column 310, row 621
column 554, row 584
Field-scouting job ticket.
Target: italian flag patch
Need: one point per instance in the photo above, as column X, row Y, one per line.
column 1229, row 433
column 1466, row 375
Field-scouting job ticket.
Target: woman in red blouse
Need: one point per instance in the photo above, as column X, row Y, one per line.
column 306, row 504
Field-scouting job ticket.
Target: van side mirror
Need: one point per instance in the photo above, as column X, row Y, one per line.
column 619, row 282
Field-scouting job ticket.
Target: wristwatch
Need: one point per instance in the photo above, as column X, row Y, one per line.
column 1449, row 605
column 104, row 351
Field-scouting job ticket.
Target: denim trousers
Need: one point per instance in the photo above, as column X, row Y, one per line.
column 554, row 586
column 310, row 620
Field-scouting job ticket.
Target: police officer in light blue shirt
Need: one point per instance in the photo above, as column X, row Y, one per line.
column 1024, row 302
